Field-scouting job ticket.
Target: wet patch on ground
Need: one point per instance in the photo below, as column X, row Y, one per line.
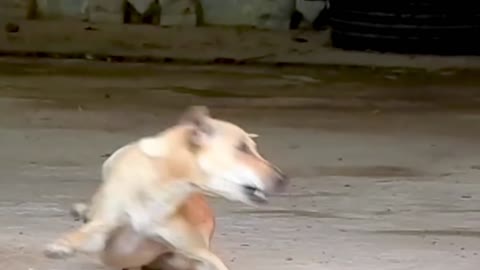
column 423, row 233
column 211, row 93
column 311, row 194
column 327, row 88
column 368, row 171
column 285, row 213
column 453, row 211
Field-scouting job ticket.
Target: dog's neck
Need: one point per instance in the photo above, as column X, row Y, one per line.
column 173, row 155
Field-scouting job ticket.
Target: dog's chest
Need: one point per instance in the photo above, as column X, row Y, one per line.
column 150, row 208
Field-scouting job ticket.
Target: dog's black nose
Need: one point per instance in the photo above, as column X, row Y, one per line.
column 281, row 181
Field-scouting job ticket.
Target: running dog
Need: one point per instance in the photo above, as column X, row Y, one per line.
column 149, row 208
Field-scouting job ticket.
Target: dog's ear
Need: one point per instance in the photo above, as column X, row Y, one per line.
column 253, row 135
column 198, row 117
column 195, row 115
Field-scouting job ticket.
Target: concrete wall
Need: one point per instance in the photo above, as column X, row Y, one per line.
column 12, row 9
column 260, row 13
column 270, row 14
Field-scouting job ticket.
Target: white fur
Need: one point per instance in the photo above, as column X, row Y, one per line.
column 158, row 208
column 153, row 147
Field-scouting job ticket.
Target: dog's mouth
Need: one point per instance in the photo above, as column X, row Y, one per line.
column 255, row 195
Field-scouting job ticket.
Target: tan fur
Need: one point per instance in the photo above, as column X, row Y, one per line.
column 148, row 208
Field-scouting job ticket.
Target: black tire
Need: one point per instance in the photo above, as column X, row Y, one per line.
column 408, row 26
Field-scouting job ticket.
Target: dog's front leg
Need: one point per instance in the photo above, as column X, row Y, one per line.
column 91, row 237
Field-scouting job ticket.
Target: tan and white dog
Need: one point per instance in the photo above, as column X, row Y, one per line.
column 149, row 209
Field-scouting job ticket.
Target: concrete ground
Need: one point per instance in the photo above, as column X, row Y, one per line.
column 385, row 171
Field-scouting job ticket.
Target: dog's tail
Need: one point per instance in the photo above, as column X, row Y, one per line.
column 79, row 212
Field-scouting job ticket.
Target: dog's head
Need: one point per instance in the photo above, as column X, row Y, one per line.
column 228, row 159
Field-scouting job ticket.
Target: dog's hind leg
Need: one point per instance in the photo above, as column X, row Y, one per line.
column 209, row 258
column 172, row 261
column 91, row 237
column 187, row 241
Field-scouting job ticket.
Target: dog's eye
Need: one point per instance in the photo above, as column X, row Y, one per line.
column 243, row 147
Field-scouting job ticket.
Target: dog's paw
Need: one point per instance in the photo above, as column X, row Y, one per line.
column 58, row 251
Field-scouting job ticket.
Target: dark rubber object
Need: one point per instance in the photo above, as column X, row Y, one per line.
column 406, row 26
column 295, row 20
